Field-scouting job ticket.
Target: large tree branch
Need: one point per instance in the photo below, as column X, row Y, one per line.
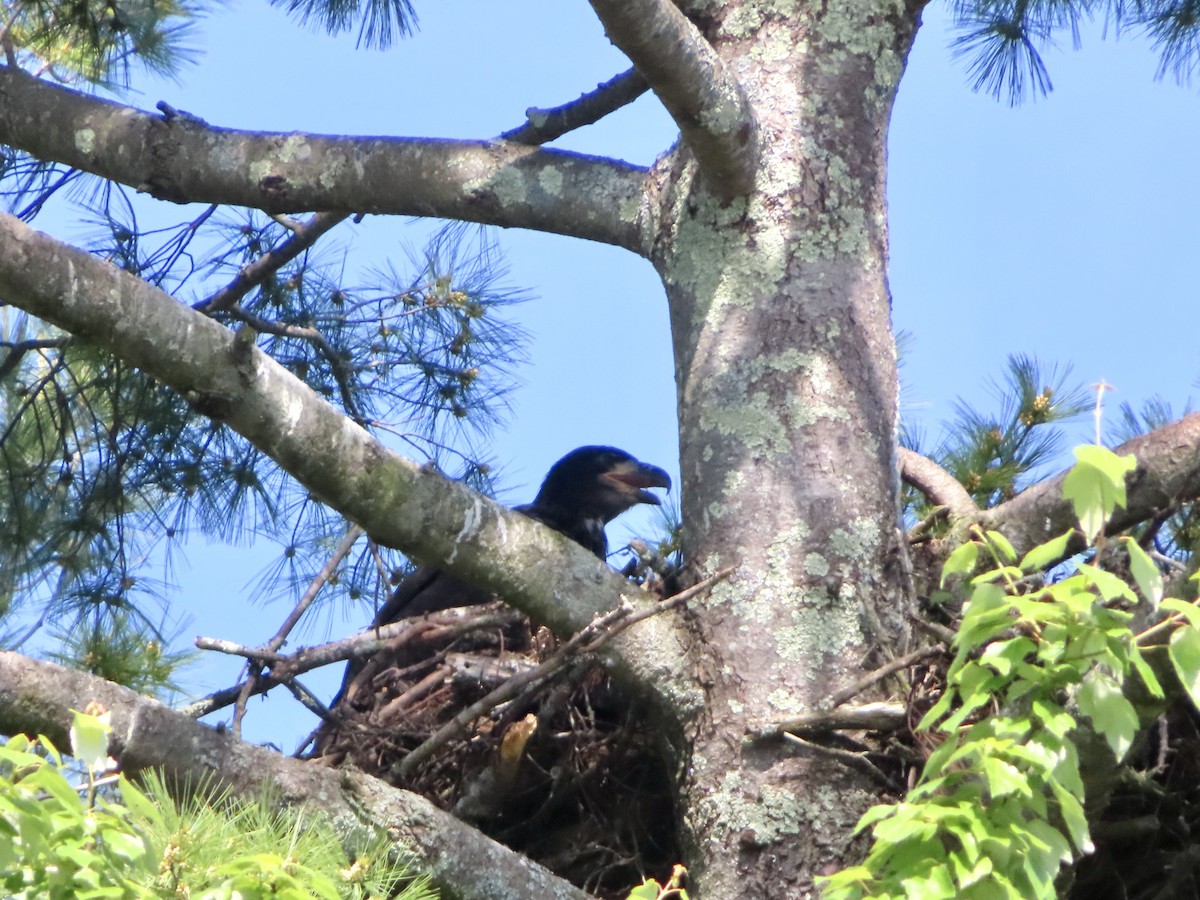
column 699, row 91
column 1167, row 474
column 38, row 698
column 183, row 159
column 942, row 488
column 399, row 503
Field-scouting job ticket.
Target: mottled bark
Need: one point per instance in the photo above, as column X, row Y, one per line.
column 785, row 369
column 183, row 159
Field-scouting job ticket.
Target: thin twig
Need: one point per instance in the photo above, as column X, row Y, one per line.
column 253, row 668
column 883, row 672
column 253, row 274
column 545, row 125
column 922, row 530
column 933, row 629
column 316, row 337
column 308, row 699
column 853, row 760
column 18, row 349
column 438, row 626
column 314, row 587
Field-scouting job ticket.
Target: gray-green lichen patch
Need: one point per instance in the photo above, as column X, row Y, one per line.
column 261, row 168
column 804, row 411
column 294, row 148
column 748, row 19
column 784, row 702
column 506, row 184
column 816, row 565
column 821, row 628
column 861, row 27
column 772, row 814
column 754, row 422
column 857, row 540
column 85, row 140
column 551, row 181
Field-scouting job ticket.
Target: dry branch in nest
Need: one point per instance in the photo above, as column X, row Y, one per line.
column 554, row 760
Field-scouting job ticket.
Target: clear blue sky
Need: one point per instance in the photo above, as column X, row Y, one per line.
column 1065, row 228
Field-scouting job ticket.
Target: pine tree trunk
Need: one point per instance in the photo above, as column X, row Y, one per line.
column 786, row 378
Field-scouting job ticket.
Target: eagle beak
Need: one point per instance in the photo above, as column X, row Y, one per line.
column 633, row 478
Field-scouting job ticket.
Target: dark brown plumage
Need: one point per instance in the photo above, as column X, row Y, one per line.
column 582, row 493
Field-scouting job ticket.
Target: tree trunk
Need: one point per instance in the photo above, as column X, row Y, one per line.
column 786, row 379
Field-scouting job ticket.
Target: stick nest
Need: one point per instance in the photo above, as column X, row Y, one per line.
column 567, row 772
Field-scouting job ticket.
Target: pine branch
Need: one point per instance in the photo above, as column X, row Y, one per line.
column 1168, row 474
column 692, row 81
column 942, row 488
column 185, row 160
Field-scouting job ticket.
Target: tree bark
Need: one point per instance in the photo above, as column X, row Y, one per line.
column 786, row 385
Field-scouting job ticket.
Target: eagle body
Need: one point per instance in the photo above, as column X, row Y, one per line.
column 581, row 494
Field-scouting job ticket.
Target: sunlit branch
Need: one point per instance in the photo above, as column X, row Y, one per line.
column 183, row 159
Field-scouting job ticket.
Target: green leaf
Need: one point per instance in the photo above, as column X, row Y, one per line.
column 1096, row 486
column 1184, row 650
column 1110, row 586
column 1073, row 817
column 1004, row 655
column 1101, row 700
column 1145, row 572
column 1004, row 779
column 1000, row 545
column 1046, row 554
column 89, row 740
column 961, row 561
column 1147, row 674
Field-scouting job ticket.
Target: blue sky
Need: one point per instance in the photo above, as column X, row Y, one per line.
column 1065, row 228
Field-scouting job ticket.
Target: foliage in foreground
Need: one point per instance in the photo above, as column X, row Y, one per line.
column 62, row 839
column 998, row 810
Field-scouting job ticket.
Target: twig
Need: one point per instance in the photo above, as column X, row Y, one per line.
column 906, row 568
column 18, row 349
column 883, row 672
column 920, row 531
column 867, row 717
column 253, row 274
column 254, row 654
column 308, row 699
column 435, row 626
column 310, row 594
column 314, row 587
column 316, row 337
column 933, row 629
column 544, row 125
column 1171, row 563
column 588, row 640
column 853, row 760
